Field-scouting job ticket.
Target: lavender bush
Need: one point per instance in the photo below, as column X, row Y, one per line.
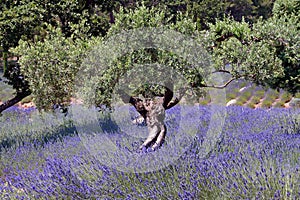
column 257, row 157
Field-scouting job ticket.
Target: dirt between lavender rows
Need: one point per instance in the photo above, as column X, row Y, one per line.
column 73, row 101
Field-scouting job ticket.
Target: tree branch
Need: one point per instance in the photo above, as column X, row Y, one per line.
column 222, row 71
column 168, row 96
column 224, row 37
column 221, row 86
column 135, row 101
column 13, row 101
column 177, row 99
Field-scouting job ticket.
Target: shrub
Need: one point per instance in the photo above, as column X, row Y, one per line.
column 279, row 104
column 230, row 96
column 247, row 94
column 251, row 105
column 267, row 103
column 260, row 93
column 27, row 99
column 285, row 97
column 242, row 100
column 255, row 100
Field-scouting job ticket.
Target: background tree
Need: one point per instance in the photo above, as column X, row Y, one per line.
column 266, row 53
column 19, row 19
column 27, row 20
column 255, row 52
column 50, row 66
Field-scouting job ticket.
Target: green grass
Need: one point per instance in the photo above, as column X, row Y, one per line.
column 286, row 97
column 260, row 93
column 204, row 101
column 272, row 95
column 6, row 91
column 247, row 94
column 267, row 103
column 279, row 104
column 242, row 100
column 251, row 105
column 243, row 84
column 254, row 95
column 231, row 96
column 27, row 99
column 255, row 100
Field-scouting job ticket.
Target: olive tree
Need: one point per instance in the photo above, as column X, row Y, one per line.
column 50, row 66
column 144, row 17
column 27, row 20
column 266, row 52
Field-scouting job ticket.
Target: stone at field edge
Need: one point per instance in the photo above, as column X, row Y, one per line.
column 231, row 102
column 294, row 103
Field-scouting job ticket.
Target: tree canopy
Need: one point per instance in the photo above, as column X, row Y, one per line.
column 254, row 40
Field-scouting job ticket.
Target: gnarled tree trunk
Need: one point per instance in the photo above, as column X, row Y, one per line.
column 153, row 112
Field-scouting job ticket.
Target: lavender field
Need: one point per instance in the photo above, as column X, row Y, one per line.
column 257, row 156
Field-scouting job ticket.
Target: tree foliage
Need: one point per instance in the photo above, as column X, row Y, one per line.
column 28, row 20
column 127, row 19
column 50, row 66
column 245, row 39
column 266, row 53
